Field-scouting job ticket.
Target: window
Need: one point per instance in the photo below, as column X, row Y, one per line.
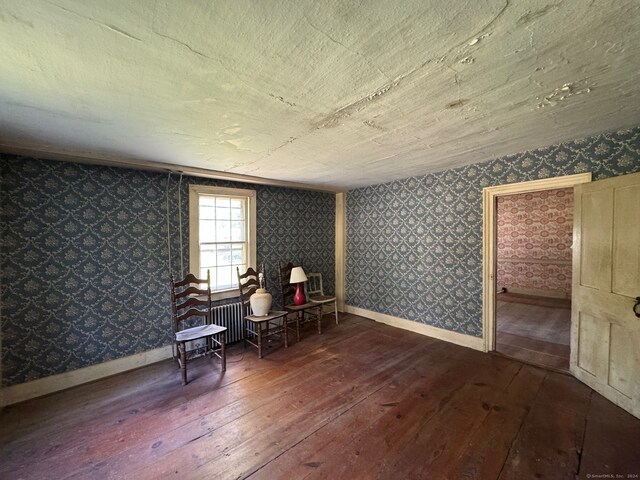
column 222, row 235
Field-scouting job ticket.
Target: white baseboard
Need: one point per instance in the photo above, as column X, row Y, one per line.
column 43, row 386
column 540, row 293
column 476, row 343
column 54, row 383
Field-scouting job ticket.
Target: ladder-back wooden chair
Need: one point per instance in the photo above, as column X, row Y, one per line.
column 258, row 329
column 315, row 293
column 305, row 313
column 190, row 300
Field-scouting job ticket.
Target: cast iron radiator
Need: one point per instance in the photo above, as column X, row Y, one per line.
column 229, row 316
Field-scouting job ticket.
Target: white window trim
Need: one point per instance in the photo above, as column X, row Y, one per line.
column 194, row 221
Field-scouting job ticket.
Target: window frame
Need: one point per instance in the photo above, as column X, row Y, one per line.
column 195, row 192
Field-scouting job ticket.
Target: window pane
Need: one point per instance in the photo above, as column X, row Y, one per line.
column 223, row 231
column 207, row 207
column 224, row 277
column 207, row 257
column 224, row 255
column 237, row 255
column 237, row 231
column 207, row 231
column 207, row 200
column 237, row 209
column 223, row 208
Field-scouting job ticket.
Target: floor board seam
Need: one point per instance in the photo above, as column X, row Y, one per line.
column 522, row 422
column 584, row 436
column 330, row 420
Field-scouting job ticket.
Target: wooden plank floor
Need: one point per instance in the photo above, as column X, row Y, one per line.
column 363, row 400
column 535, row 330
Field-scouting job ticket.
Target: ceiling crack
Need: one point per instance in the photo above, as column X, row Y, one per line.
column 475, row 38
column 338, row 42
column 489, row 24
column 343, row 112
column 120, row 32
column 97, row 22
column 281, row 99
column 183, row 44
column 332, row 119
column 273, row 150
column 456, row 78
column 217, row 60
column 530, row 16
column 531, row 45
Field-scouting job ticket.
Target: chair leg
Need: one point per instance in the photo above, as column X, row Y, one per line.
column 336, row 307
column 182, row 349
column 319, row 317
column 223, row 350
column 246, row 334
column 286, row 334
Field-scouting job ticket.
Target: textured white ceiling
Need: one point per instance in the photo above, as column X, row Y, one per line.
column 332, row 93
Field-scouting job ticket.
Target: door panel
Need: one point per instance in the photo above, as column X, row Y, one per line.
column 596, row 247
column 605, row 333
column 626, row 235
column 592, row 347
column 621, row 361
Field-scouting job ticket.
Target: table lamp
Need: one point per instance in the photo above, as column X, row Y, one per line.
column 298, row 276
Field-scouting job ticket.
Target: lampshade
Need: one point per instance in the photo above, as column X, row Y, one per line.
column 297, row 275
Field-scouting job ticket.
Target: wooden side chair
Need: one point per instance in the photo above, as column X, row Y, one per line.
column 315, row 293
column 305, row 313
column 190, row 300
column 258, row 329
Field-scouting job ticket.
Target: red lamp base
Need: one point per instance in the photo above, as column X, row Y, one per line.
column 298, row 298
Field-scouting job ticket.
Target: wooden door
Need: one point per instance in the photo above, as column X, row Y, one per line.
column 605, row 332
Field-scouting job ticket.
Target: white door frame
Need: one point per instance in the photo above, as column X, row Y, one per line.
column 489, row 195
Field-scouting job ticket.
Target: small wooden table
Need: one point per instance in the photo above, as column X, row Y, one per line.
column 259, row 327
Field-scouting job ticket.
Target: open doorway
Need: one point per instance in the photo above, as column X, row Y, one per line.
column 489, row 261
column 534, row 235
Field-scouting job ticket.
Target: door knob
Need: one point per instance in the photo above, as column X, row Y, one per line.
column 636, row 307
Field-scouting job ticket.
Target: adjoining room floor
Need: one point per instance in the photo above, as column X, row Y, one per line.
column 363, row 400
column 535, row 330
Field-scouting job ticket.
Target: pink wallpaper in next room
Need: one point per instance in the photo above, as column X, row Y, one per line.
column 535, row 232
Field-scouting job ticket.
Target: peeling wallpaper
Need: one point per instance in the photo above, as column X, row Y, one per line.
column 534, row 236
column 414, row 246
column 85, row 263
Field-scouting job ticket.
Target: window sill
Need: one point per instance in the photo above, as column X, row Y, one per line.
column 224, row 294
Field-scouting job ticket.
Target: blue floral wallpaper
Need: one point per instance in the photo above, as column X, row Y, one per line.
column 84, row 260
column 297, row 226
column 414, row 246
